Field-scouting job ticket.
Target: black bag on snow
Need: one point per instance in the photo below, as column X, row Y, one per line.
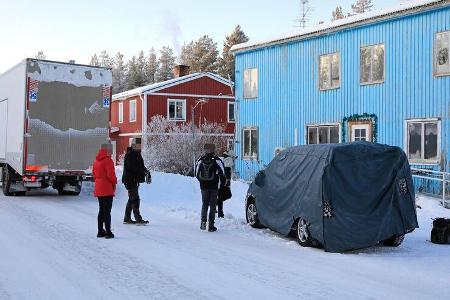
column 206, row 169
column 441, row 231
column 224, row 193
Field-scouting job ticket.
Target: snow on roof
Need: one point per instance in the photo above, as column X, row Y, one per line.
column 160, row 85
column 400, row 9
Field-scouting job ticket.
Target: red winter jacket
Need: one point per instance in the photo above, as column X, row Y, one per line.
column 104, row 175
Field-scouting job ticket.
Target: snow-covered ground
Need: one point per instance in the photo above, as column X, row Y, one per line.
column 49, row 250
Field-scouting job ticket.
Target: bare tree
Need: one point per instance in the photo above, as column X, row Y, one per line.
column 305, row 11
column 362, row 6
column 168, row 146
column 337, row 14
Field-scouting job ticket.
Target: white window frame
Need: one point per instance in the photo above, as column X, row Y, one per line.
column 120, row 112
column 365, row 126
column 184, row 109
column 252, row 157
column 331, row 87
column 406, row 141
column 434, row 54
column 371, row 47
column 229, row 103
column 135, row 111
column 323, row 125
column 247, row 95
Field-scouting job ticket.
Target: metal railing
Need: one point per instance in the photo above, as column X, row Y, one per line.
column 438, row 176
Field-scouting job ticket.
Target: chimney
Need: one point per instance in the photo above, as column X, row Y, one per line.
column 180, row 71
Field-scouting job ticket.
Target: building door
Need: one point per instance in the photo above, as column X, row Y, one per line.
column 360, row 132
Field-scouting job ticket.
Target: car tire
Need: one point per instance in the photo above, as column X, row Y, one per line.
column 394, row 241
column 303, row 236
column 251, row 213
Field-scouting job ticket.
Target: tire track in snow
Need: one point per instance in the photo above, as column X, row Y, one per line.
column 130, row 278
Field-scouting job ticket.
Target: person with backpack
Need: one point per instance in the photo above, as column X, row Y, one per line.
column 104, row 188
column 134, row 173
column 210, row 173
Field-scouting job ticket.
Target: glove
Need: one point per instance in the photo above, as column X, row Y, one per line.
column 227, row 183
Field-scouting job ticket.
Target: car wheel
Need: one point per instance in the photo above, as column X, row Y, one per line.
column 394, row 241
column 251, row 214
column 303, row 236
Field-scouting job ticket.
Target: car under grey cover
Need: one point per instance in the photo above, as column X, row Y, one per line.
column 351, row 195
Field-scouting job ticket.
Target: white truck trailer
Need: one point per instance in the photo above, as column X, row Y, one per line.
column 53, row 119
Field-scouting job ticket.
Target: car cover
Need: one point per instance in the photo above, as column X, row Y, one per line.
column 351, row 195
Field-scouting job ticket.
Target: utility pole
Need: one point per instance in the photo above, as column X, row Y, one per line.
column 305, row 9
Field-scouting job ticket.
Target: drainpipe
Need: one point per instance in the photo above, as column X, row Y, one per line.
column 143, row 98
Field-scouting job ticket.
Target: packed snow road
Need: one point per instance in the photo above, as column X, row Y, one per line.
column 49, row 250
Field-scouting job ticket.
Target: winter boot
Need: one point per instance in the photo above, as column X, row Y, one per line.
column 142, row 222
column 203, row 225
column 101, row 234
column 212, row 229
column 109, row 235
column 129, row 222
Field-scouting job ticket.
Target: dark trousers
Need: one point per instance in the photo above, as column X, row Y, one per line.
column 220, row 207
column 133, row 205
column 104, row 213
column 209, row 199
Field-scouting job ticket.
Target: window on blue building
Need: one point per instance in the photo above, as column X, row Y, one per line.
column 250, row 143
column 423, row 139
column 372, row 64
column 251, row 83
column 323, row 134
column 441, row 54
column 329, row 71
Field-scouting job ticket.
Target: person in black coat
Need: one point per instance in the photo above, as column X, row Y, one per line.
column 134, row 173
column 210, row 173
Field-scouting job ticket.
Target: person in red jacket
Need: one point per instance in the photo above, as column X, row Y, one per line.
column 105, row 187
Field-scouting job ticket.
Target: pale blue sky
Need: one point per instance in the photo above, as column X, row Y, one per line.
column 67, row 30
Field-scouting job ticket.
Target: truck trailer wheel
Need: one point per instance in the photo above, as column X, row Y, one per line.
column 6, row 181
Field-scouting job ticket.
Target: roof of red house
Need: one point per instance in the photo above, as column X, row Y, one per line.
column 165, row 84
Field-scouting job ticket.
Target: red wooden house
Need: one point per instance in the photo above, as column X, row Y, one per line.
column 173, row 99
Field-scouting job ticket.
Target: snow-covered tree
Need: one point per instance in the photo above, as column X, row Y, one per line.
column 169, row 147
column 200, row 55
column 226, row 62
column 119, row 73
column 166, row 64
column 105, row 60
column 40, row 55
column 151, row 67
column 94, row 61
column 337, row 14
column 362, row 6
column 134, row 74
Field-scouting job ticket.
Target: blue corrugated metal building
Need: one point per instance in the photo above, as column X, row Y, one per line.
column 382, row 77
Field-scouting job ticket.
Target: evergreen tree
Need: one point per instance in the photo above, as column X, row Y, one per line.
column 134, row 78
column 40, row 55
column 200, row 55
column 94, row 61
column 337, row 14
column 166, row 64
column 226, row 62
column 119, row 74
column 105, row 61
column 151, row 67
column 362, row 6
column 141, row 63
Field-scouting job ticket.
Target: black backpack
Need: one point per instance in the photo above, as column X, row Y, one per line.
column 207, row 169
column 441, row 231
